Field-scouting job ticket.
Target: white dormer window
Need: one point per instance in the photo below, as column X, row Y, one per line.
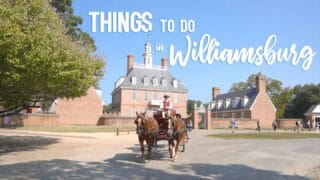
column 220, row 103
column 155, row 81
column 175, row 83
column 236, row 102
column 245, row 101
column 146, row 81
column 213, row 104
column 133, row 80
column 227, row 102
column 164, row 82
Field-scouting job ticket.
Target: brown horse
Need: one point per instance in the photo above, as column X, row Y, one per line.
column 147, row 130
column 176, row 132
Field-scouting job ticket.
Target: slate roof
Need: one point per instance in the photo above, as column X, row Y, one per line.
column 250, row 93
column 140, row 73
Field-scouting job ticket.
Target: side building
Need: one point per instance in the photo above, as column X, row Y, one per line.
column 251, row 104
column 144, row 85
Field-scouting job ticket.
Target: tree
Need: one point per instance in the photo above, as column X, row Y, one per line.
column 273, row 86
column 72, row 23
column 304, row 97
column 38, row 60
column 279, row 96
column 281, row 101
column 107, row 108
column 190, row 105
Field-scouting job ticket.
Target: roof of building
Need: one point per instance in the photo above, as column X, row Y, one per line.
column 313, row 109
column 251, row 94
column 150, row 74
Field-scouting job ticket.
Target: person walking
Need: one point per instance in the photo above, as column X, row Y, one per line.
column 298, row 126
column 274, row 125
column 189, row 126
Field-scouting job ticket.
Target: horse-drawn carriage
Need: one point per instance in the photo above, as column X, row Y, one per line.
column 164, row 125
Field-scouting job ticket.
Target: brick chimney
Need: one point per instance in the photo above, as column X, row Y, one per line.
column 215, row 92
column 164, row 63
column 261, row 83
column 130, row 62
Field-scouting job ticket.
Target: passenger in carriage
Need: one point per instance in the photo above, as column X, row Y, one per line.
column 166, row 106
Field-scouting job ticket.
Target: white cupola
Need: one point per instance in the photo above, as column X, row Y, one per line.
column 147, row 55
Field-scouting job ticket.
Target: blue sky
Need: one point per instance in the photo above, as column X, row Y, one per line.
column 235, row 24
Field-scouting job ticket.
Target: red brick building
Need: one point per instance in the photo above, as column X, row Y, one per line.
column 144, row 85
column 83, row 110
column 251, row 104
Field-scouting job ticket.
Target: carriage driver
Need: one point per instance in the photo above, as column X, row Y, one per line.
column 166, row 106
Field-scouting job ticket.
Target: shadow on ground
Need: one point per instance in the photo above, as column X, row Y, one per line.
column 10, row 144
column 128, row 166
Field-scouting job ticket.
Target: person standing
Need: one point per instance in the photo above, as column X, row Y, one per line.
column 274, row 125
column 309, row 125
column 6, row 121
column 189, row 126
column 233, row 124
column 258, row 126
column 166, row 106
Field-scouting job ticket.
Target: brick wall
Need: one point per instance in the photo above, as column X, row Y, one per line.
column 84, row 110
column 40, row 119
column 287, row 123
column 116, row 121
column 15, row 120
column 242, row 123
column 263, row 110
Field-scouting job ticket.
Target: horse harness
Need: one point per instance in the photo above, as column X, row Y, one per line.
column 142, row 133
column 172, row 134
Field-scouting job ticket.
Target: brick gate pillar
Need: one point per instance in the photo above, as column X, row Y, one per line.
column 208, row 114
column 195, row 119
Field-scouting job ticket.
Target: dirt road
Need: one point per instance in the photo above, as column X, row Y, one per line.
column 26, row 155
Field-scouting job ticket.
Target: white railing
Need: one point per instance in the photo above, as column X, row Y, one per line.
column 155, row 102
column 144, row 66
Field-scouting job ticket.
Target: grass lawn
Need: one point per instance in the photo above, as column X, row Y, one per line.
column 266, row 135
column 77, row 128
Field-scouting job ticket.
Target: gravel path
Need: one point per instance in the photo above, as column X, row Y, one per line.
column 25, row 155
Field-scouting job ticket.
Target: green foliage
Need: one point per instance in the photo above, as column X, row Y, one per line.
column 107, row 108
column 304, row 97
column 72, row 23
column 281, row 101
column 190, row 105
column 273, row 86
column 38, row 60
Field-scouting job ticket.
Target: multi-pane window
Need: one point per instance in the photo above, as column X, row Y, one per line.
column 155, row 96
column 146, row 96
column 175, row 98
column 133, row 95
